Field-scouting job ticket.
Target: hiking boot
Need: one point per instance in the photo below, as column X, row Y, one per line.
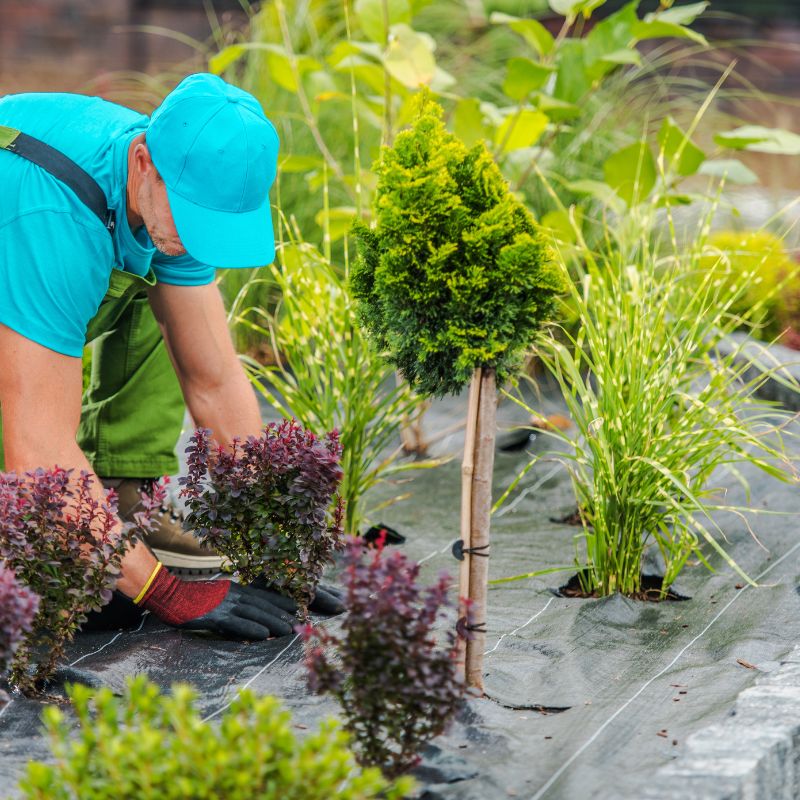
column 174, row 547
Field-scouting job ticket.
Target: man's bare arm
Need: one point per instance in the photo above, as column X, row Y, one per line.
column 40, row 397
column 215, row 386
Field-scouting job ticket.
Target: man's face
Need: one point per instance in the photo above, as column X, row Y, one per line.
column 157, row 216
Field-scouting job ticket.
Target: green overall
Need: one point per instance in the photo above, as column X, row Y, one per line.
column 133, row 409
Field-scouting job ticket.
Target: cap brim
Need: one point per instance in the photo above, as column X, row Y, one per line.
column 223, row 239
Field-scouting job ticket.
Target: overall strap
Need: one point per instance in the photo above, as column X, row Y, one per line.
column 62, row 168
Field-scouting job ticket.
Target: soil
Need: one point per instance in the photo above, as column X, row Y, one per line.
column 651, row 588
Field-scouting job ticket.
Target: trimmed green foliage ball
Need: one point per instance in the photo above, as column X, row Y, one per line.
column 150, row 746
column 455, row 275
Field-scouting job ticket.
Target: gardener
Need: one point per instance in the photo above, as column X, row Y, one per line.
column 110, row 232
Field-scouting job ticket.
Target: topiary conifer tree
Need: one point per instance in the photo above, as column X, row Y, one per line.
column 453, row 281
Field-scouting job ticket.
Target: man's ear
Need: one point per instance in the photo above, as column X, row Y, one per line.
column 142, row 160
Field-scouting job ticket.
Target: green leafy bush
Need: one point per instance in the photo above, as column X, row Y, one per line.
column 397, row 686
column 456, row 274
column 67, row 547
column 764, row 279
column 269, row 504
column 149, row 746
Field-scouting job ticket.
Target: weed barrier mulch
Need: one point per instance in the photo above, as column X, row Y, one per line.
column 583, row 695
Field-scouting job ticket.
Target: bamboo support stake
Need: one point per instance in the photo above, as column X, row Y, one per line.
column 467, row 465
column 481, row 511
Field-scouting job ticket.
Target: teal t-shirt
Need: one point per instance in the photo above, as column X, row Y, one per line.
column 56, row 257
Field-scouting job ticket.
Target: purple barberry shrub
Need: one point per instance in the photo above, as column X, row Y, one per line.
column 18, row 607
column 396, row 682
column 269, row 504
column 66, row 546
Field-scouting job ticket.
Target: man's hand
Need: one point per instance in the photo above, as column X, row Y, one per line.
column 328, row 600
column 220, row 606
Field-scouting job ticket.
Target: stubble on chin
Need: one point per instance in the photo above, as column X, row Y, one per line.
column 169, row 248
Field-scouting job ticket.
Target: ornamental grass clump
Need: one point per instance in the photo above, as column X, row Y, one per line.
column 66, row 546
column 329, row 374
column 150, row 746
column 269, row 504
column 664, row 403
column 397, row 685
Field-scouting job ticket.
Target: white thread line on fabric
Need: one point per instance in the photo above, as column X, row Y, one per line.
column 244, row 686
column 560, row 771
column 108, row 644
column 267, row 666
column 435, row 553
column 522, row 495
column 6, row 707
column 517, row 630
column 93, row 653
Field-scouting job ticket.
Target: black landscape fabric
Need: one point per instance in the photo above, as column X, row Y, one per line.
column 583, row 695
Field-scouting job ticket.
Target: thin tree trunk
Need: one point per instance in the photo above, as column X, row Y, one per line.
column 466, row 506
column 481, row 510
column 412, row 437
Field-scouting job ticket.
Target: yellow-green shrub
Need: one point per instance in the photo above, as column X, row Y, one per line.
column 756, row 267
column 149, row 746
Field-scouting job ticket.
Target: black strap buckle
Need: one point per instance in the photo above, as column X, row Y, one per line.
column 111, row 221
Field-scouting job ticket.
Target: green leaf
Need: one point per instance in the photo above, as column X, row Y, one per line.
column 370, row 16
column 340, row 219
column 571, row 8
column 675, row 200
column 409, row 57
column 524, row 76
column 531, row 30
column 760, row 140
column 560, row 223
column 370, row 74
column 625, row 56
column 300, row 163
column 278, row 62
column 610, row 42
column 554, row 108
column 731, row 169
column 468, row 122
column 673, row 141
column 520, row 130
column 631, row 172
column 572, row 81
column 679, row 15
column 219, row 62
column 599, row 190
column 658, row 29
column 341, row 50
column 280, row 68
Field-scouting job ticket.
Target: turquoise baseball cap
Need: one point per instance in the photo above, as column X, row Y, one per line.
column 217, row 153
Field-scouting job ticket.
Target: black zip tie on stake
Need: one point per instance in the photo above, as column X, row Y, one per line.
column 458, row 550
column 462, row 628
